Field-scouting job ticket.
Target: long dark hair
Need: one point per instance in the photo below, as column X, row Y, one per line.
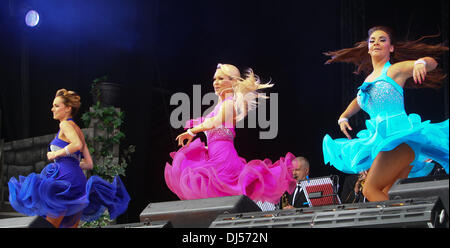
column 403, row 50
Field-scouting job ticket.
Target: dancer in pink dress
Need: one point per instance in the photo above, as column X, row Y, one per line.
column 217, row 170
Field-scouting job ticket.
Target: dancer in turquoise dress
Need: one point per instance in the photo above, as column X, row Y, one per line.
column 61, row 193
column 394, row 144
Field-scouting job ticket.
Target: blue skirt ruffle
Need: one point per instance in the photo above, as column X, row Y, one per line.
column 104, row 195
column 46, row 195
column 428, row 140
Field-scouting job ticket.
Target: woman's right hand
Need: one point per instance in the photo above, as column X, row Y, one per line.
column 344, row 126
column 51, row 155
column 184, row 136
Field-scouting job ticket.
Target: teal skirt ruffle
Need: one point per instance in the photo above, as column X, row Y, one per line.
column 428, row 140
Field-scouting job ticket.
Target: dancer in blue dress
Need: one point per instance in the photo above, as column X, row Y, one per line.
column 395, row 144
column 61, row 192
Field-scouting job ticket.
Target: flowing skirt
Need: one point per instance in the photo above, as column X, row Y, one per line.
column 428, row 140
column 61, row 189
column 199, row 172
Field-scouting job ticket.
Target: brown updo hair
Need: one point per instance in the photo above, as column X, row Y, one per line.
column 70, row 98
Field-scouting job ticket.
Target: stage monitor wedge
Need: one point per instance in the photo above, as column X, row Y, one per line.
column 197, row 213
column 25, row 222
column 153, row 224
column 412, row 213
column 420, row 187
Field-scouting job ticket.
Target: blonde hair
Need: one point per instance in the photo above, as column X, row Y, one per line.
column 245, row 89
column 71, row 99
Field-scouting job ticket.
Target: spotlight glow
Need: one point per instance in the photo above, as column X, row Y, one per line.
column 32, row 18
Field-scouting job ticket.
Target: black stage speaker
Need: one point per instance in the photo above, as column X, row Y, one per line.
column 152, row 224
column 417, row 212
column 421, row 187
column 199, row 212
column 25, row 222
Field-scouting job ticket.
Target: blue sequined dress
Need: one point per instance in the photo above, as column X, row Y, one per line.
column 388, row 127
column 61, row 189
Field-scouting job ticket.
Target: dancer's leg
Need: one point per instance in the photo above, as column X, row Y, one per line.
column 403, row 174
column 385, row 170
column 75, row 225
column 71, row 221
column 56, row 222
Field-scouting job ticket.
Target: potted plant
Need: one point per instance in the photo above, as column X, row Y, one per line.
column 105, row 92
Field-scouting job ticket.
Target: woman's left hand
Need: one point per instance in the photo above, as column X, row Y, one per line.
column 184, row 136
column 419, row 73
column 51, row 155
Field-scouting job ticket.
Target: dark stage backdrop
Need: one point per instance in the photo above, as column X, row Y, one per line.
column 157, row 48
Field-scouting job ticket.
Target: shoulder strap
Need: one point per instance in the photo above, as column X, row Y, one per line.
column 385, row 68
column 385, row 77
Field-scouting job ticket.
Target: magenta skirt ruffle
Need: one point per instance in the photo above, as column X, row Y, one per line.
column 217, row 170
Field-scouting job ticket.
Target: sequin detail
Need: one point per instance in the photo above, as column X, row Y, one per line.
column 220, row 133
column 76, row 156
column 381, row 98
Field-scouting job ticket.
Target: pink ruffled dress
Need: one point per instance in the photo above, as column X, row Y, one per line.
column 217, row 170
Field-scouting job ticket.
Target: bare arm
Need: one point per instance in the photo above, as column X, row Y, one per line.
column 86, row 163
column 75, row 143
column 351, row 110
column 401, row 71
column 225, row 116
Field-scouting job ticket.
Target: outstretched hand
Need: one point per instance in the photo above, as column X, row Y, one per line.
column 182, row 137
column 419, row 73
column 344, row 126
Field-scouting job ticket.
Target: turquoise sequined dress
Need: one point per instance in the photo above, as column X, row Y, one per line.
column 388, row 127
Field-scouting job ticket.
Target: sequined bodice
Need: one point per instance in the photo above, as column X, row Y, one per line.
column 382, row 97
column 220, row 133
